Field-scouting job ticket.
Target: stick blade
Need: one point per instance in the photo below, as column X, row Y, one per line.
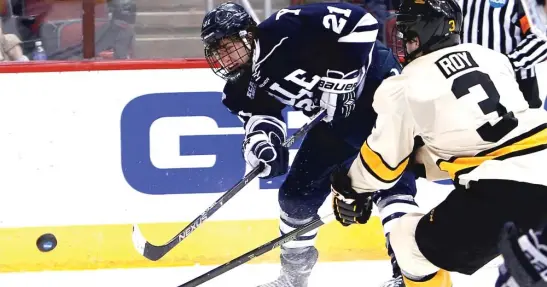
column 138, row 240
column 145, row 248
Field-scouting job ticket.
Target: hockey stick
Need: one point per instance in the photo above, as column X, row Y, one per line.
column 266, row 247
column 155, row 252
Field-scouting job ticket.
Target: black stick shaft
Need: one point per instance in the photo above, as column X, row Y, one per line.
column 255, row 253
column 156, row 252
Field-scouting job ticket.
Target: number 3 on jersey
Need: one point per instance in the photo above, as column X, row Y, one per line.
column 488, row 132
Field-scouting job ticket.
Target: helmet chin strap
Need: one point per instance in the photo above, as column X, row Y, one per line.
column 243, row 35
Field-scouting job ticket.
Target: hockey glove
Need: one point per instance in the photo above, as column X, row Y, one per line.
column 338, row 106
column 338, row 93
column 263, row 139
column 525, row 258
column 349, row 206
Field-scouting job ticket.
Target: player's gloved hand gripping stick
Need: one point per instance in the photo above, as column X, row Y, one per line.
column 155, row 252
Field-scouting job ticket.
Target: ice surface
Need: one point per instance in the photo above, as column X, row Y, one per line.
column 356, row 273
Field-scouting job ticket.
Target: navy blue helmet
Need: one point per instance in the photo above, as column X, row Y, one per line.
column 227, row 33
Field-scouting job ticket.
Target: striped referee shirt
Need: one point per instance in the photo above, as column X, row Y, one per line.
column 501, row 25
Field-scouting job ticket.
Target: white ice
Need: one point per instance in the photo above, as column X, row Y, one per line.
column 355, row 273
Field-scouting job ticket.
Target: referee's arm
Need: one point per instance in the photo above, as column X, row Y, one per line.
column 530, row 50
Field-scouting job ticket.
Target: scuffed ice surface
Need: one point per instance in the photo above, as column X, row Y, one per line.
column 358, row 273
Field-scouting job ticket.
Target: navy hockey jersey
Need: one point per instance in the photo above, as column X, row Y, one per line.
column 301, row 52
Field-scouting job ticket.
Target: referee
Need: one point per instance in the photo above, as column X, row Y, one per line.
column 501, row 25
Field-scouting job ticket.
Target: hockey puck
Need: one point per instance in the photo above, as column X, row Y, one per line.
column 46, row 242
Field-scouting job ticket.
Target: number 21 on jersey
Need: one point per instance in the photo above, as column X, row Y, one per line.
column 335, row 20
column 332, row 21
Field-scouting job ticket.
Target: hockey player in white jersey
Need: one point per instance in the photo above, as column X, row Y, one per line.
column 463, row 101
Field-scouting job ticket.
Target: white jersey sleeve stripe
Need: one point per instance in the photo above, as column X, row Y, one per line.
column 365, row 31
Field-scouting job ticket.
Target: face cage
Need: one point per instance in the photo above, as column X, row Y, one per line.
column 226, row 66
column 397, row 45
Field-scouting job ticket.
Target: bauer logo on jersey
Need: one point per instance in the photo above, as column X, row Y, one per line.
column 497, row 3
column 338, row 82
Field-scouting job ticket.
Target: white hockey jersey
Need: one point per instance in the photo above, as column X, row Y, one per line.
column 465, row 104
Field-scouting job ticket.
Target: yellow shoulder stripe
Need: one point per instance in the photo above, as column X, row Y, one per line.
column 378, row 167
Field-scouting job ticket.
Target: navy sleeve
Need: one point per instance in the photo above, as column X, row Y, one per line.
column 333, row 41
column 384, row 64
column 391, row 65
column 352, row 34
column 245, row 104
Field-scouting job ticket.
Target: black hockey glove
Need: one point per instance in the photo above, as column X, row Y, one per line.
column 263, row 139
column 525, row 258
column 349, row 206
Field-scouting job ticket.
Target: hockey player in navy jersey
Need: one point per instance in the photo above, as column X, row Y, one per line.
column 310, row 57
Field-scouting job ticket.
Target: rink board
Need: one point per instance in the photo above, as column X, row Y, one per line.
column 109, row 246
column 91, row 148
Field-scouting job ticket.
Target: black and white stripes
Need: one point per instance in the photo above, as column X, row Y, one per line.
column 501, row 25
column 530, row 51
column 301, row 243
column 393, row 207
